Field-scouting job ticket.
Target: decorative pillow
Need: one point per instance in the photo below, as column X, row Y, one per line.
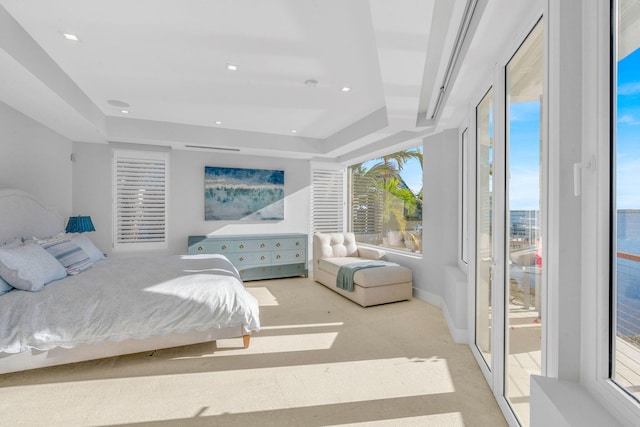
column 70, row 255
column 29, row 267
column 4, row 287
column 9, row 244
column 87, row 245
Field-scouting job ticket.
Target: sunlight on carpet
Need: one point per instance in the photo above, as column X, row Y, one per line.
column 287, row 387
column 452, row 419
column 264, row 297
column 266, row 345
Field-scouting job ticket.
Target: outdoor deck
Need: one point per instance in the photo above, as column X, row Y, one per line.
column 627, row 367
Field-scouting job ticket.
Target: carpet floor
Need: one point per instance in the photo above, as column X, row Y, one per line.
column 319, row 360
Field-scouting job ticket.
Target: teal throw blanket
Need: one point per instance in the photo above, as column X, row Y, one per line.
column 346, row 272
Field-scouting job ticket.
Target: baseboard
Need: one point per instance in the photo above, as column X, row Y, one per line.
column 459, row 336
column 429, row 297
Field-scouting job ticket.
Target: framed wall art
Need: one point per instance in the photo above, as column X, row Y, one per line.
column 243, row 194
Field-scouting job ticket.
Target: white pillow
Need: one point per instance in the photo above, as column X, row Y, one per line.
column 29, row 267
column 70, row 255
column 87, row 245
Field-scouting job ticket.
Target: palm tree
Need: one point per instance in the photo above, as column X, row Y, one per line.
column 382, row 182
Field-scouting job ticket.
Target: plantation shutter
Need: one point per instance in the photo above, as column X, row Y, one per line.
column 140, row 199
column 327, row 201
column 366, row 209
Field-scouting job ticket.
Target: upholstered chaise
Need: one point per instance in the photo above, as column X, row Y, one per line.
column 372, row 286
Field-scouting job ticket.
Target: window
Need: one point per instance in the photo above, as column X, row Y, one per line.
column 386, row 200
column 464, row 238
column 625, row 203
column 327, row 200
column 140, row 190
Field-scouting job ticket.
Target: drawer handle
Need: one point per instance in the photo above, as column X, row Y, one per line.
column 297, row 243
column 241, row 246
column 278, row 257
column 224, row 246
column 297, row 255
column 278, row 244
column 200, row 248
column 262, row 245
column 241, row 259
column 262, row 257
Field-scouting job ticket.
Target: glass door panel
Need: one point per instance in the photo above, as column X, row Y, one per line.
column 524, row 91
column 484, row 218
column 625, row 256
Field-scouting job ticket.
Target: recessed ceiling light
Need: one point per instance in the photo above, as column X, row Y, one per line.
column 293, row 131
column 124, row 111
column 232, row 67
column 71, row 37
column 346, row 89
column 218, row 122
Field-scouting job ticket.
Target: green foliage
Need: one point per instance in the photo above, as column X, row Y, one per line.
column 399, row 202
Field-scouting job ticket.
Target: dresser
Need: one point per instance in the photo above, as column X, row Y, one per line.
column 258, row 256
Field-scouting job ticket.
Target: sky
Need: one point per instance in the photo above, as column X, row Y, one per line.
column 628, row 132
column 524, row 155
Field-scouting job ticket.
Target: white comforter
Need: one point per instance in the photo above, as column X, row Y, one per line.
column 119, row 299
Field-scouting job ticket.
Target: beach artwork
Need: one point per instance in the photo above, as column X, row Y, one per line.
column 243, row 194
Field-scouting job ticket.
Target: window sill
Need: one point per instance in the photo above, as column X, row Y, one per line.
column 394, row 250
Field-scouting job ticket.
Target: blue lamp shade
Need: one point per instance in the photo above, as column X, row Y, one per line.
column 79, row 224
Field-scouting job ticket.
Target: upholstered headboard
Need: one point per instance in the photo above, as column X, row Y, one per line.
column 22, row 215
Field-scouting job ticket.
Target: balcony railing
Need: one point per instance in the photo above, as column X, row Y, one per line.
column 627, row 351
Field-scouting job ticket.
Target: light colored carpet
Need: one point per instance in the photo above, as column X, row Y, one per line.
column 319, row 360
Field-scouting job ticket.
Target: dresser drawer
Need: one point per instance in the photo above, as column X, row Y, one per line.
column 253, row 245
column 288, row 243
column 211, row 247
column 287, row 257
column 249, row 258
column 255, row 273
column 288, row 270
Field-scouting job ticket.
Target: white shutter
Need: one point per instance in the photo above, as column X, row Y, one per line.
column 367, row 207
column 327, row 201
column 140, row 199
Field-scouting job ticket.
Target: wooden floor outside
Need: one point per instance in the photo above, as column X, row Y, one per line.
column 627, row 367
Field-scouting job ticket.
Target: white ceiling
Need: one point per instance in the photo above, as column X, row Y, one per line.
column 168, row 58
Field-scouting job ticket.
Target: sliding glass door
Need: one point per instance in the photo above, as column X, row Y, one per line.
column 524, row 220
column 484, row 226
column 625, row 209
column 510, row 219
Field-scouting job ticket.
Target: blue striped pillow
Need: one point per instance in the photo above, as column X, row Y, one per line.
column 71, row 256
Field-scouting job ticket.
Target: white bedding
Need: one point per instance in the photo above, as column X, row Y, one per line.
column 126, row 298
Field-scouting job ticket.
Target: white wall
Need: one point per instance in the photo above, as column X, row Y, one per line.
column 35, row 159
column 440, row 281
column 92, row 194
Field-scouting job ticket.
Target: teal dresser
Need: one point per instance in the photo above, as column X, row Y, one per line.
column 259, row 256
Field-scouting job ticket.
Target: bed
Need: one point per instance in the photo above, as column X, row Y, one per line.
column 116, row 306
